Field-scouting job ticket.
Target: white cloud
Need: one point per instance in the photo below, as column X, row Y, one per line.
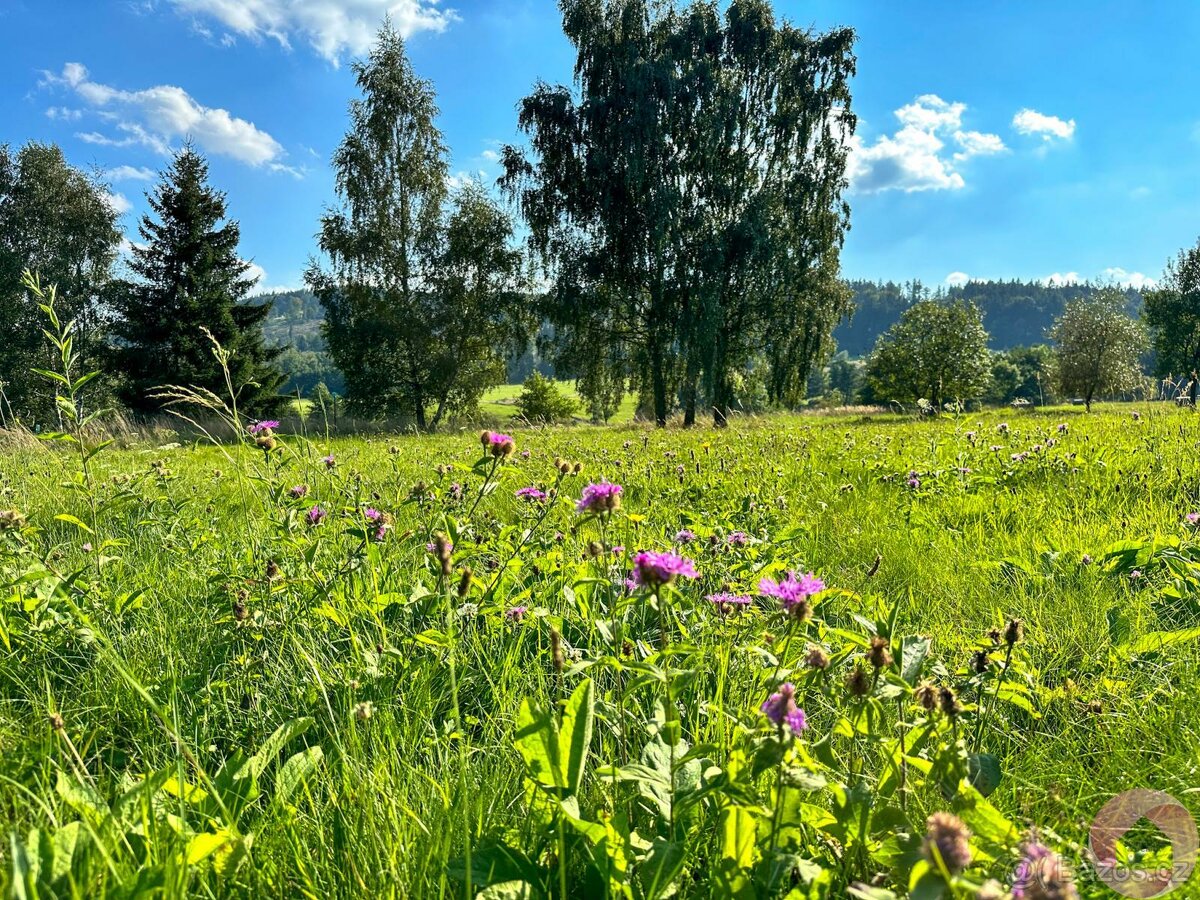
column 129, row 173
column 1032, row 122
column 1058, row 279
column 64, row 114
column 912, row 159
column 490, row 155
column 257, row 272
column 462, row 179
column 118, row 202
column 331, row 27
column 154, row 116
column 957, row 279
column 1134, row 280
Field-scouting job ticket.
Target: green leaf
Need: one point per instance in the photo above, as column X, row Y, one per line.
column 71, row 520
column 661, row 867
column 575, row 737
column 913, row 651
column 271, row 748
column 984, row 772
column 295, row 773
column 538, row 745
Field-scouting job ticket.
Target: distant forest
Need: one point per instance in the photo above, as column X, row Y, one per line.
column 1015, row 314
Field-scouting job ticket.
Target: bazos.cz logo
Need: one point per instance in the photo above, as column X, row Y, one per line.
column 1122, row 813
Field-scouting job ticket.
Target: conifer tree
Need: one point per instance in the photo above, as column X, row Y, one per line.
column 190, row 279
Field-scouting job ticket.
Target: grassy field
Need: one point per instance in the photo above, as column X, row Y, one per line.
column 234, row 672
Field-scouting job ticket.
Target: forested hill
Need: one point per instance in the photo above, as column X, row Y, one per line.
column 1015, row 313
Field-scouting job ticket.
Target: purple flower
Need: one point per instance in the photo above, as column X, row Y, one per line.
column 726, row 602
column 525, row 454
column 532, row 494
column 738, row 539
column 260, row 427
column 329, row 461
column 782, row 710
column 995, row 448
column 315, row 516
column 1002, row 428
column 297, row 491
column 516, row 613
column 684, row 536
column 1192, row 518
column 793, row 590
column 1062, row 428
column 432, row 547
column 618, row 550
column 653, row 570
column 599, row 498
column 913, row 483
column 1137, row 416
column 500, row 446
column 372, row 514
column 1042, row 873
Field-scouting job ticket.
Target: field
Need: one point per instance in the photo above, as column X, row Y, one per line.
column 230, row 671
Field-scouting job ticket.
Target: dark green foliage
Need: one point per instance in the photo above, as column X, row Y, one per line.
column 1022, row 373
column 936, row 352
column 191, row 284
column 421, row 304
column 687, row 200
column 1172, row 314
column 541, row 401
column 56, row 222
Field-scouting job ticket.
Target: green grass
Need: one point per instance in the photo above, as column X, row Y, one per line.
column 207, row 614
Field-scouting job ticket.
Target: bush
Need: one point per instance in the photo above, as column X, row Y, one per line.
column 541, row 401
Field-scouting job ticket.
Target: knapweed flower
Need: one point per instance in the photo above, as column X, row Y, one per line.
column 329, row 461
column 298, row 490
column 726, row 602
column 1002, row 428
column 500, row 446
column 315, row 516
column 531, row 494
column 684, row 536
column 1137, row 416
column 782, row 710
column 1062, row 428
column 793, row 592
column 738, row 539
column 947, row 839
column 11, row 520
column 913, row 482
column 653, row 570
column 1192, row 518
column 600, row 498
column 265, row 427
column 525, row 454
column 516, row 613
column 1042, row 875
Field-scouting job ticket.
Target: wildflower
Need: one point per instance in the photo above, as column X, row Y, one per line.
column 516, row 613
column 1086, row 559
column 500, row 446
column 315, row 516
column 1062, row 428
column 1192, row 518
column 793, row 592
column 1135, row 575
column 817, row 658
column 1042, row 875
column 556, row 650
column 1002, row 428
column 264, row 427
column 1137, row 416
column 599, row 498
column 525, row 454
column 1014, row 631
column 947, row 839
column 980, row 662
column 879, row 655
column 926, row 696
column 266, row 442
column 971, row 436
column 468, row 610
column 329, row 461
column 11, row 520
column 273, row 570
column 684, row 536
column 948, row 702
column 455, row 491
column 298, row 491
column 464, row 582
column 857, row 682
column 782, row 710
column 738, row 539
column 531, row 494
column 240, row 613
column 991, row 890
column 913, row 482
column 653, row 570
column 364, row 710
column 995, row 448
column 56, row 722
column 726, row 602
column 443, row 549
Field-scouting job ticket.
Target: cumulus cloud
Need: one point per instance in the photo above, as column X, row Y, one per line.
column 331, row 27
column 957, row 279
column 118, row 202
column 129, row 173
column 915, row 157
column 257, row 272
column 1049, row 128
column 1134, row 280
column 1058, row 279
column 155, row 116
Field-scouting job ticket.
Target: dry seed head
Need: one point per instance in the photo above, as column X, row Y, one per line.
column 817, row 658
column 556, row 650
column 56, row 722
column 948, row 838
column 858, row 683
column 879, row 655
column 464, row 582
column 948, row 702
column 1013, row 632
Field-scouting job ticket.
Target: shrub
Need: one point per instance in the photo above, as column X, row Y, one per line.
column 541, row 401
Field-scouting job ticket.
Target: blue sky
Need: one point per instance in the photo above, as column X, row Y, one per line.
column 996, row 140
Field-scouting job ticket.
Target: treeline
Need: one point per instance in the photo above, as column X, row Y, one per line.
column 1015, row 313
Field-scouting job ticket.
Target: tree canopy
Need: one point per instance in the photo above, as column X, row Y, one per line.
column 1172, row 314
column 1098, row 347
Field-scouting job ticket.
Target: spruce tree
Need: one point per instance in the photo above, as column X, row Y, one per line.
column 191, row 279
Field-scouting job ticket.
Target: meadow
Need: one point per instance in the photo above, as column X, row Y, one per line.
column 297, row 665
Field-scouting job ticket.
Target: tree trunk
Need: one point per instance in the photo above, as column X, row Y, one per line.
column 658, row 383
column 690, row 391
column 1087, row 401
column 721, row 398
column 419, row 410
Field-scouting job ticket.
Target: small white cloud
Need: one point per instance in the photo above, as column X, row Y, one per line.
column 118, row 202
column 462, row 179
column 957, row 279
column 154, row 116
column 1059, row 279
column 1049, row 128
column 490, row 155
column 912, row 159
column 129, row 173
column 257, row 272
column 331, row 27
column 64, row 114
column 1135, row 280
